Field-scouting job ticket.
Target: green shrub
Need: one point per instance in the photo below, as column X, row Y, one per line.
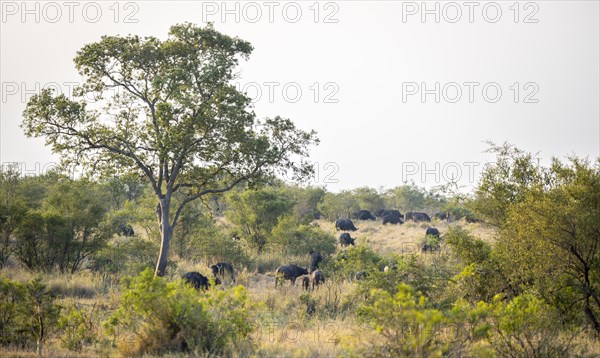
column 125, row 256
column 28, row 313
column 77, row 329
column 157, row 316
column 347, row 263
column 527, row 327
column 404, row 324
column 295, row 238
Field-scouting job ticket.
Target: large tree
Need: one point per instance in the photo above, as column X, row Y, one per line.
column 168, row 111
column 548, row 223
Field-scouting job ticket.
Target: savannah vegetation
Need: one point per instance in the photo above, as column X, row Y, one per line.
column 179, row 155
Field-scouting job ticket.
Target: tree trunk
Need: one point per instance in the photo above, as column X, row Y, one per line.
column 165, row 233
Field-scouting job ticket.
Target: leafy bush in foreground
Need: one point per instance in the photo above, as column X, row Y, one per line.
column 157, row 316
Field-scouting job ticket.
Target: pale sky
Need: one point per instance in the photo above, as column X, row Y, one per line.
column 365, row 75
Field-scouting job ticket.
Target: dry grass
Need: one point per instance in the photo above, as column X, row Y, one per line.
column 290, row 322
column 404, row 238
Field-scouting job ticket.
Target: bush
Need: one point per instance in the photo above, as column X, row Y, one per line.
column 156, row 316
column 125, row 256
column 295, row 238
column 77, row 329
column 347, row 263
column 28, row 313
column 404, row 324
column 526, row 327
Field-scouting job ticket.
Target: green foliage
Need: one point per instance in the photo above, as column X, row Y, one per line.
column 404, row 323
column 13, row 209
column 429, row 280
column 548, row 221
column 210, row 244
column 526, row 327
column 306, row 201
column 161, row 316
column 13, row 314
column 357, row 258
column 28, row 313
column 338, row 205
column 125, row 256
column 76, row 329
column 298, row 239
column 66, row 230
column 369, row 199
column 407, row 198
column 256, row 213
column 506, row 182
column 176, row 121
column 480, row 276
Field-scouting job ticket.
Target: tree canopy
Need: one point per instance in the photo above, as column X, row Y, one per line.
column 169, row 112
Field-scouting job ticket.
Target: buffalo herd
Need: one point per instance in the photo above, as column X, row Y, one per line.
column 313, row 277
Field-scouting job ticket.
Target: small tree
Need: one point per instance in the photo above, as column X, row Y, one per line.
column 256, row 212
column 176, row 119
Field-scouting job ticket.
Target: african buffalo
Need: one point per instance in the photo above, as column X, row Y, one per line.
column 442, row 216
column 363, row 215
column 317, row 278
column 433, row 232
column 305, row 283
column 379, row 212
column 315, row 259
column 125, row 230
column 391, row 219
column 220, row 268
column 289, row 272
column 416, row 217
column 197, row 280
column 346, row 240
column 345, row 225
column 393, row 212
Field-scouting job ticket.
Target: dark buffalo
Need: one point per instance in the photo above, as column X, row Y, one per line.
column 125, row 230
column 428, row 246
column 416, row 217
column 361, row 275
column 197, row 280
column 433, row 232
column 289, row 272
column 345, row 225
column 346, row 240
column 363, row 215
column 305, row 283
column 317, row 278
column 409, row 215
column 395, row 213
column 219, row 269
column 315, row 259
column 391, row 219
column 431, row 242
column 442, row 216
